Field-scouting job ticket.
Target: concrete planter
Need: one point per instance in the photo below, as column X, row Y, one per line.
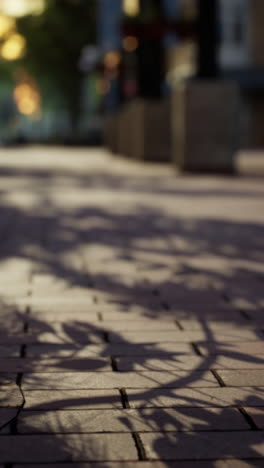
column 141, row 130
column 150, row 130
column 204, row 125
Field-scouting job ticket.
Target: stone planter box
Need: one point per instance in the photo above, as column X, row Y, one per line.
column 141, row 130
column 204, row 125
column 150, row 130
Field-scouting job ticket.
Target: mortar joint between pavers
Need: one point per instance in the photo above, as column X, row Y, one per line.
column 106, row 337
column 179, row 325
column 155, row 292
column 165, row 305
column 196, row 349
column 114, row 364
column 225, row 296
column 23, row 351
column 245, row 315
column 13, row 421
column 124, row 398
column 139, row 446
column 248, row 418
column 218, row 378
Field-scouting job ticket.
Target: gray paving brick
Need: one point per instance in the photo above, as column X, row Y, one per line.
column 72, row 336
column 55, row 365
column 7, row 379
column 62, row 300
column 69, row 331
column 188, row 362
column 67, row 448
column 206, row 445
column 109, row 349
column 6, row 416
column 202, row 397
column 71, row 399
column 10, row 397
column 257, row 415
column 155, row 464
column 61, row 315
column 182, row 336
column 9, row 351
column 93, row 380
column 248, row 348
column 138, row 325
column 215, row 325
column 242, row 378
column 256, row 315
column 82, row 421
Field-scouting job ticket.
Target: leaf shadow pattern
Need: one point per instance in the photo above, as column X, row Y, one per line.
column 129, row 312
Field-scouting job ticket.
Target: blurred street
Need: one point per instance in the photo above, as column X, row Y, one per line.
column 131, row 312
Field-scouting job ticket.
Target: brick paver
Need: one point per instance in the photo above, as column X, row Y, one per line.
column 131, row 314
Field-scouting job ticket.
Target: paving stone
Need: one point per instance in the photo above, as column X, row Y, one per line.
column 67, row 448
column 93, row 380
column 7, row 379
column 137, row 325
column 155, row 464
column 64, row 307
column 216, row 326
column 6, row 416
column 246, row 348
column 71, row 336
column 187, row 419
column 204, row 445
column 187, row 362
column 71, row 399
column 59, row 315
column 208, row 311
column 109, row 349
column 256, row 315
column 181, row 336
column 257, row 414
column 62, row 300
column 134, row 315
column 69, row 331
column 10, row 397
column 55, row 365
column 9, row 351
column 242, row 378
column 202, row 397
column 8, row 289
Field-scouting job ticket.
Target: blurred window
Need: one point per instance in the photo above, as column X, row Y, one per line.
column 234, row 33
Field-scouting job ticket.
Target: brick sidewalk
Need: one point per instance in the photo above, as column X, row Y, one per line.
column 131, row 314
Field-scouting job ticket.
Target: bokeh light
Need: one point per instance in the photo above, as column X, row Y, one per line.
column 131, row 7
column 112, row 59
column 27, row 99
column 14, row 47
column 18, row 8
column 7, row 24
column 130, row 43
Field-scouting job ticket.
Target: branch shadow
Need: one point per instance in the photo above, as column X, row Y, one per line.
column 126, row 320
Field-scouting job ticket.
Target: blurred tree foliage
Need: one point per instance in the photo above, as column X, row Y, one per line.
column 55, row 39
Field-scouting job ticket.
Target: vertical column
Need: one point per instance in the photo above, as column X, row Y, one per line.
column 150, row 52
column 208, row 38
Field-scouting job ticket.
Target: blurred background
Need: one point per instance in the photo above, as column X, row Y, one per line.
column 69, row 67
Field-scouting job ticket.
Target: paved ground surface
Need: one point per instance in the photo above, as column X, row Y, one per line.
column 131, row 314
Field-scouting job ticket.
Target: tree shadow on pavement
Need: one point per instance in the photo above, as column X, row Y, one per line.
column 118, row 316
